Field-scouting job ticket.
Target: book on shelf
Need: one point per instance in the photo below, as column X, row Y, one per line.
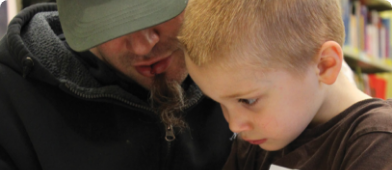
column 375, row 85
column 367, row 31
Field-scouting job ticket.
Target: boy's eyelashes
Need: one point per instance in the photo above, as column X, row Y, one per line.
column 244, row 101
column 247, row 101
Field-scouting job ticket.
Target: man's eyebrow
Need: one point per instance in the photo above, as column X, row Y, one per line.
column 236, row 95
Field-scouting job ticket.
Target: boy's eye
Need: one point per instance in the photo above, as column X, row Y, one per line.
column 247, row 101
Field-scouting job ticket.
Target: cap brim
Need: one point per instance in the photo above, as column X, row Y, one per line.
column 87, row 24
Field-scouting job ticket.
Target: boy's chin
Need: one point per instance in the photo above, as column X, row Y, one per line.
column 271, row 148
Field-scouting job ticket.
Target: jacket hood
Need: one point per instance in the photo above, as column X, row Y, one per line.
column 14, row 52
column 32, row 48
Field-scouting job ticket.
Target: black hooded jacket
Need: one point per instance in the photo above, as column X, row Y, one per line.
column 55, row 115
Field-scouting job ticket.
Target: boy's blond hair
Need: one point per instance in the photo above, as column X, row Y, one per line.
column 284, row 32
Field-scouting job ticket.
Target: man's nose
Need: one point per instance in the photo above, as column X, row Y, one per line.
column 238, row 122
column 142, row 42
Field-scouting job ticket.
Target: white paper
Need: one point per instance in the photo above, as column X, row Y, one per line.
column 276, row 167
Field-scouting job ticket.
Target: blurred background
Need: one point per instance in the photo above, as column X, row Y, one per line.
column 10, row 8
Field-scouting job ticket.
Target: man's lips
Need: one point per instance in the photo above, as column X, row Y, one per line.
column 257, row 142
column 155, row 68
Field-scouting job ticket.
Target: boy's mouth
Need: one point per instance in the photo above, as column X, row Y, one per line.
column 256, row 142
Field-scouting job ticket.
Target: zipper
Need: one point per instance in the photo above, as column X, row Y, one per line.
column 97, row 96
column 169, row 137
column 170, row 133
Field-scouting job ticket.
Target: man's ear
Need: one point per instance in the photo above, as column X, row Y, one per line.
column 329, row 62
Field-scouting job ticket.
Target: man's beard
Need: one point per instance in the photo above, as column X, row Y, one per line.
column 167, row 98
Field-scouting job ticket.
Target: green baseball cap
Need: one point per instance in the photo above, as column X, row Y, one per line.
column 88, row 23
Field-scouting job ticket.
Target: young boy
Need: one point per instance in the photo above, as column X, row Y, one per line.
column 274, row 66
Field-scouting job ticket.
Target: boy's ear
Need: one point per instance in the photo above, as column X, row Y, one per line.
column 329, row 62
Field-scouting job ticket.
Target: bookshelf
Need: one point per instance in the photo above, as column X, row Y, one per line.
column 355, row 58
column 368, row 44
column 359, row 58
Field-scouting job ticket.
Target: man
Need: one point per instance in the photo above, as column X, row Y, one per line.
column 106, row 89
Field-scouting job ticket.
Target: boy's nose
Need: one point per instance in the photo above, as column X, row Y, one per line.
column 142, row 42
column 237, row 121
column 238, row 125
